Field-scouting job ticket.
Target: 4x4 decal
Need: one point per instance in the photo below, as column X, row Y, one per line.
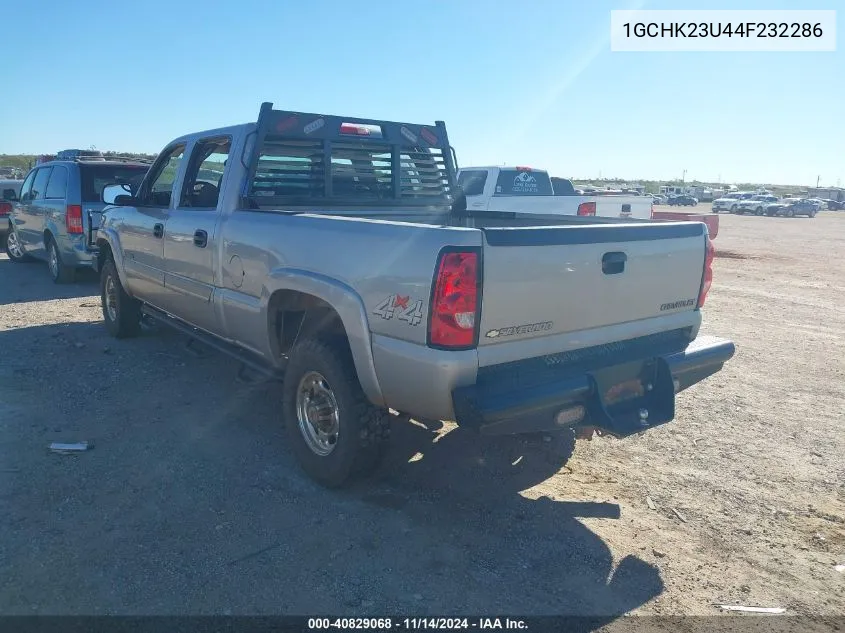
column 402, row 307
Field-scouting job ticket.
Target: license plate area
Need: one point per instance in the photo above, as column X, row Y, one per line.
column 632, row 397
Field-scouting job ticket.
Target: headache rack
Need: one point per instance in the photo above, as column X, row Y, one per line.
column 297, row 158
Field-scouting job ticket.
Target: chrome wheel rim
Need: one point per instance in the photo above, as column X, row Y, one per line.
column 317, row 413
column 54, row 260
column 13, row 245
column 111, row 299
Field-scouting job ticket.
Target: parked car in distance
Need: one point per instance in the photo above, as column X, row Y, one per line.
column 526, row 190
column 790, row 207
column 372, row 286
column 756, row 204
column 682, row 200
column 820, row 204
column 658, row 199
column 835, row 205
column 9, row 192
column 58, row 211
column 729, row 201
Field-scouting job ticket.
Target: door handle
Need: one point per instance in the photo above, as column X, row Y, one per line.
column 200, row 238
column 158, row 230
column 613, row 263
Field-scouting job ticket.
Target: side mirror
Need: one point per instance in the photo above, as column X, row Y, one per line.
column 10, row 195
column 459, row 204
column 120, row 194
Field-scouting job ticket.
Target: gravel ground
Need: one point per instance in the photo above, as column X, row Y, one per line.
column 190, row 501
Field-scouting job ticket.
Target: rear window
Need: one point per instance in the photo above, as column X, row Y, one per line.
column 519, row 182
column 296, row 169
column 97, row 177
column 473, row 181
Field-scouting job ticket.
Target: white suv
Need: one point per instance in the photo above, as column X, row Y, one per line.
column 730, row 201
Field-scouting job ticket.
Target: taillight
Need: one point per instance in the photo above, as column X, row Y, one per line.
column 587, row 208
column 73, row 218
column 652, row 210
column 455, row 301
column 5, row 209
column 707, row 278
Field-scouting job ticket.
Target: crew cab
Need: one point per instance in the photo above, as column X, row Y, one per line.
column 755, row 204
column 338, row 255
column 528, row 190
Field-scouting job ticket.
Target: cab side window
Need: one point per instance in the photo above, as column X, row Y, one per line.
column 160, row 189
column 205, row 173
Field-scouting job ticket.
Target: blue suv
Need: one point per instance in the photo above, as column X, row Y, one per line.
column 58, row 211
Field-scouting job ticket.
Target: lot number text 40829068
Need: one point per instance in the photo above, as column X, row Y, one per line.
column 413, row 624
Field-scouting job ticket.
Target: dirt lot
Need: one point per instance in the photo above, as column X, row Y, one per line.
column 190, row 502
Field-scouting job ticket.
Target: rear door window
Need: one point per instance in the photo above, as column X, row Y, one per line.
column 473, row 181
column 39, row 185
column 523, row 182
column 95, row 177
column 57, row 186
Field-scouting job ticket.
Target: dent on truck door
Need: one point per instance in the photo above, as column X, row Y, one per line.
column 190, row 237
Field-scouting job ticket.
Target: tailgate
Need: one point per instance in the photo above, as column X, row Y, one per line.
column 552, row 280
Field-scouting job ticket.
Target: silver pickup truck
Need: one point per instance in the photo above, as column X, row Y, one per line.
column 338, row 254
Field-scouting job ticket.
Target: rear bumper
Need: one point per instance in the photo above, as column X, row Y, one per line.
column 591, row 397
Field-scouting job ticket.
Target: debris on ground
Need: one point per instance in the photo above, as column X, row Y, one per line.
column 840, row 569
column 744, row 609
column 650, row 503
column 679, row 515
column 66, row 449
column 79, row 345
column 658, row 553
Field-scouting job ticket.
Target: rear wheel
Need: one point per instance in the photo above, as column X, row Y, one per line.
column 790, row 213
column 60, row 273
column 121, row 313
column 733, row 208
column 334, row 430
column 760, row 211
column 14, row 248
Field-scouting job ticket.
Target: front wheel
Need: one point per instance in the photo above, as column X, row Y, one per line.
column 334, row 430
column 733, row 209
column 121, row 313
column 60, row 272
column 760, row 211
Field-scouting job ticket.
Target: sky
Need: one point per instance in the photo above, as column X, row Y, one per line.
column 517, row 83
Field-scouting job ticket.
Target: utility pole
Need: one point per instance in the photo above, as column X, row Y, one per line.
column 818, row 178
column 684, row 176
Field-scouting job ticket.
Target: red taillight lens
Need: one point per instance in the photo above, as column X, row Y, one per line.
column 5, row 209
column 652, row 210
column 707, row 279
column 73, row 218
column 587, row 208
column 454, row 303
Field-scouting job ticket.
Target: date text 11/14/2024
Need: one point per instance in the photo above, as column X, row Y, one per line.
column 432, row 623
